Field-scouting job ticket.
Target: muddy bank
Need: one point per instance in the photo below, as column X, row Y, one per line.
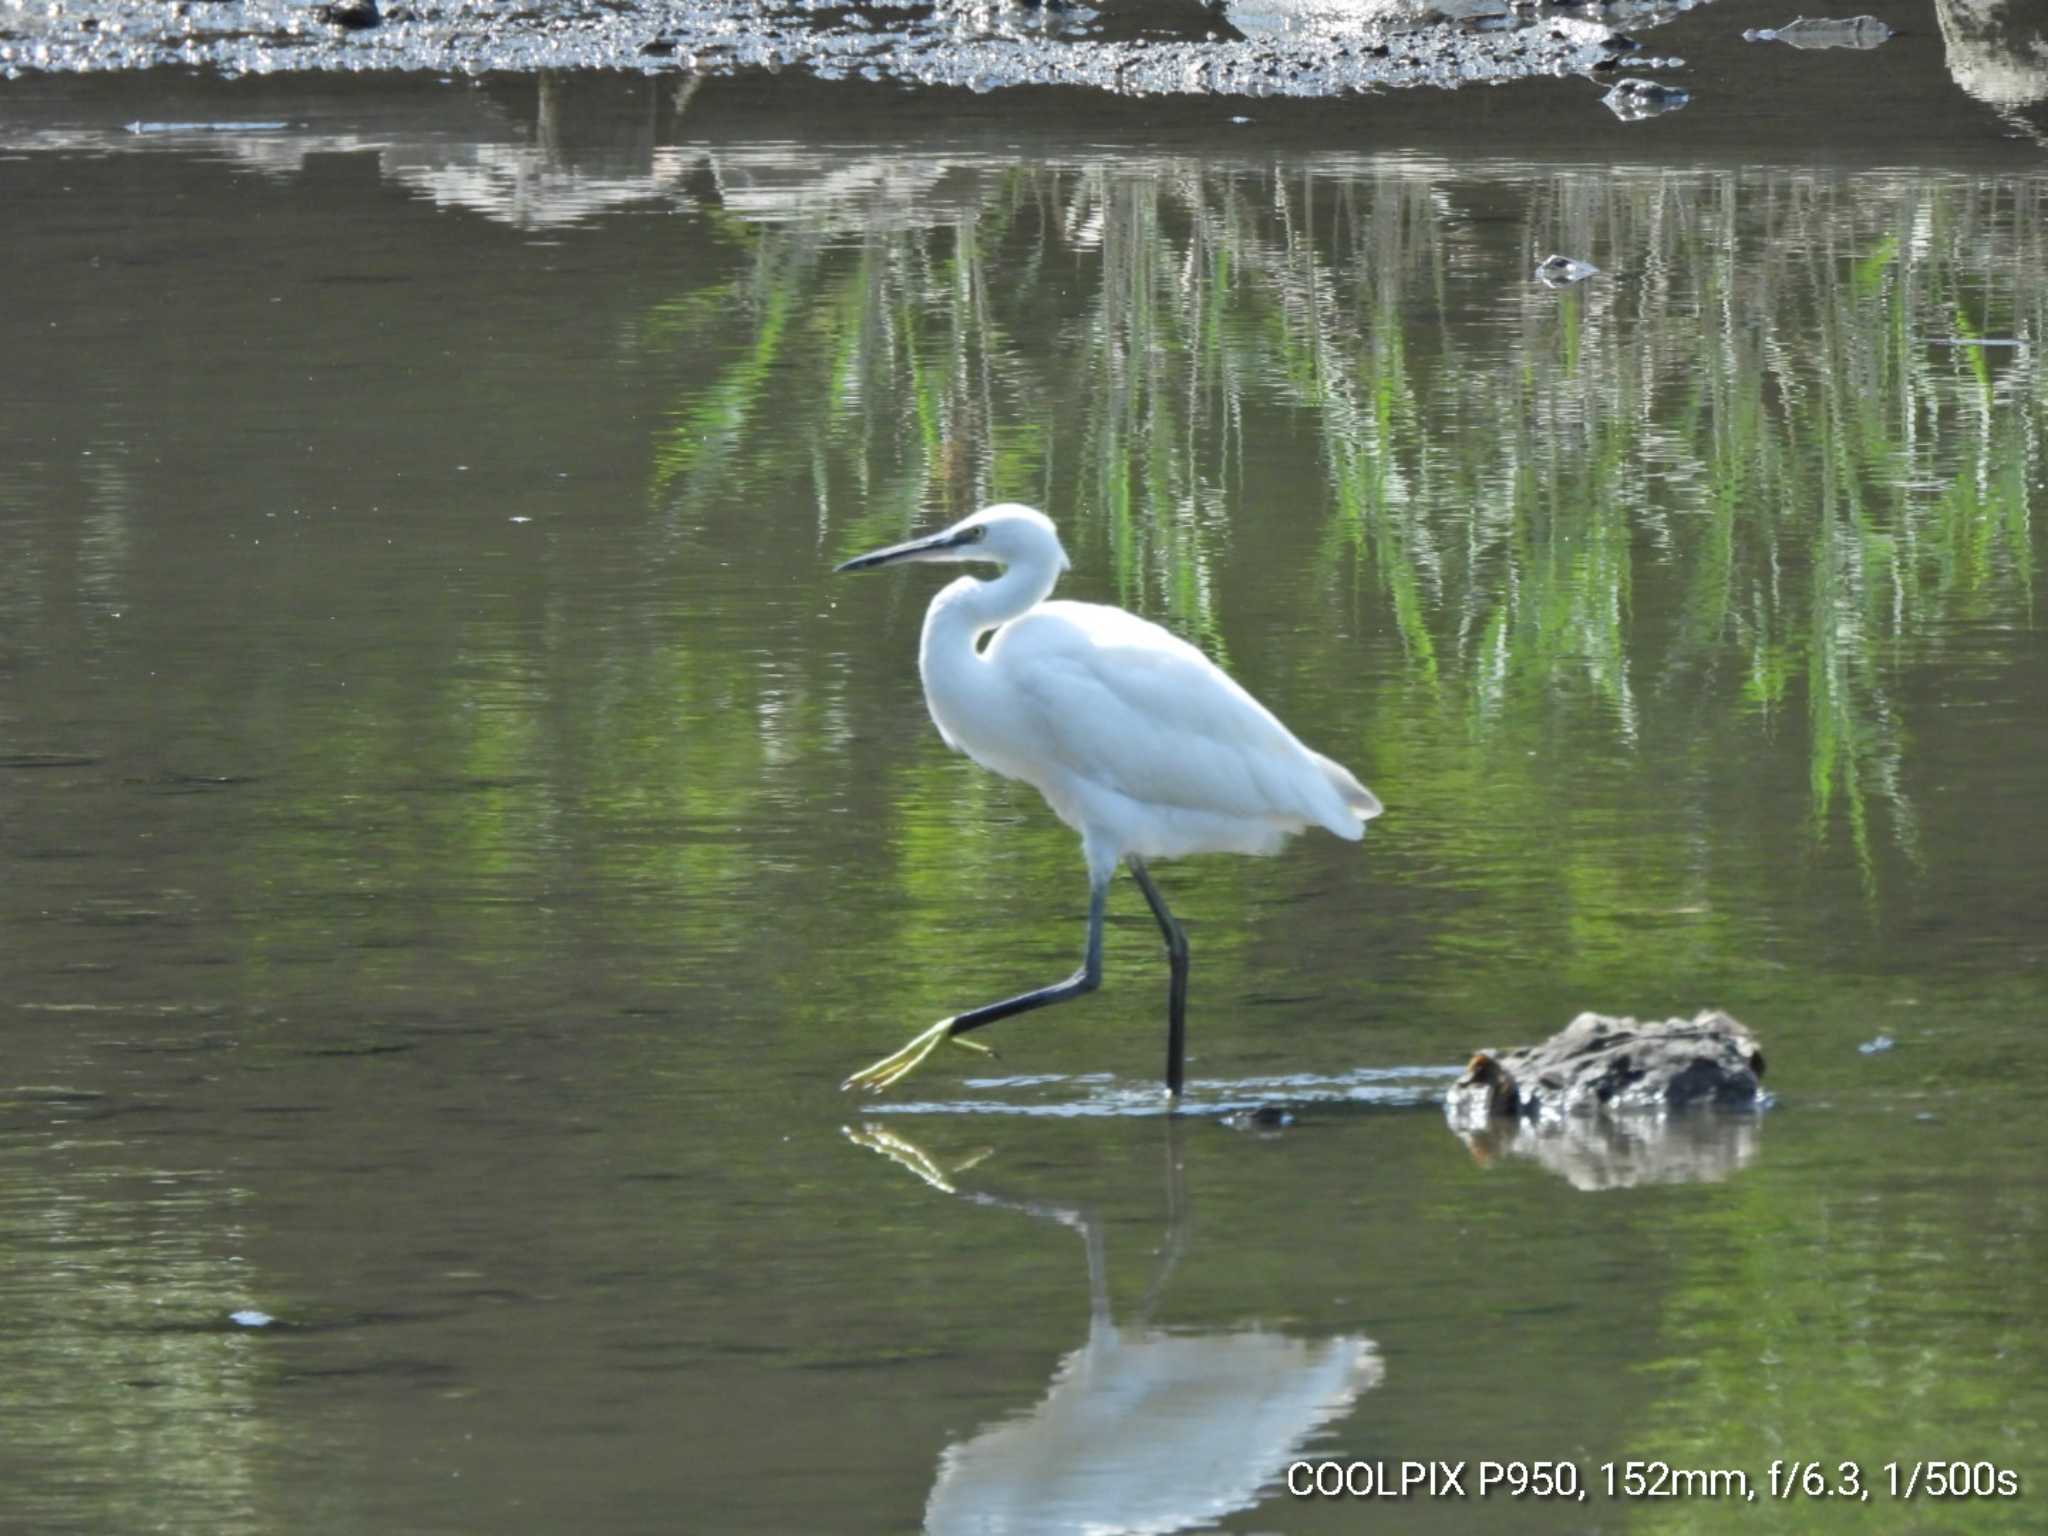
column 1257, row 48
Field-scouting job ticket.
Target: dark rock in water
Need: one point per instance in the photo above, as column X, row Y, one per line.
column 353, row 14
column 1599, row 1065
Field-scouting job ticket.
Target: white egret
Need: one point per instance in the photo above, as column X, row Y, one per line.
column 1136, row 739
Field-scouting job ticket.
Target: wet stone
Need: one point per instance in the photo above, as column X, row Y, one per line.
column 354, row 15
column 1601, row 1065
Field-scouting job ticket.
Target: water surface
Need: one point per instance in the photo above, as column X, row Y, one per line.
column 455, row 833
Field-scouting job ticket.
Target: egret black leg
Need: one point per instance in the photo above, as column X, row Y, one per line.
column 1177, row 994
column 899, row 1064
column 1085, row 980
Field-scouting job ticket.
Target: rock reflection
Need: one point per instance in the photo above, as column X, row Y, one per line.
column 1998, row 53
column 1622, row 1152
column 1141, row 1429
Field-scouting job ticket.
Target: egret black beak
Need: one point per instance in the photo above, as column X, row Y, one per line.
column 927, row 548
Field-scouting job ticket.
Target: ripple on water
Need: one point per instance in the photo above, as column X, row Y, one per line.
column 1101, row 1095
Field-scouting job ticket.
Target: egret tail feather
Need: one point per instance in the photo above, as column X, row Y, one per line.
column 1358, row 800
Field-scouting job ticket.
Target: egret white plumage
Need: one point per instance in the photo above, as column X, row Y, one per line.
column 1136, row 739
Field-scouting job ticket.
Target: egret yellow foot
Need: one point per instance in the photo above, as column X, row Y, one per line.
column 898, row 1065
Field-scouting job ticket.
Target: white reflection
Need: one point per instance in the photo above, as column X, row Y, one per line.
column 1997, row 50
column 1142, row 1431
column 1351, row 18
column 881, row 191
column 525, row 186
column 583, row 152
column 1594, row 1152
column 1150, row 1432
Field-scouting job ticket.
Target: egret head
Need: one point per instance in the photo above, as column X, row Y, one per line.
column 1008, row 534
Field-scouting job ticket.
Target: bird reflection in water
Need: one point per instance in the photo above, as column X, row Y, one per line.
column 1141, row 1430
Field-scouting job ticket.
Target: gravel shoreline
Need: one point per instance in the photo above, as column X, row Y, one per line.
column 1263, row 48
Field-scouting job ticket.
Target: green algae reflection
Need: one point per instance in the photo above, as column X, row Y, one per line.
column 1660, row 538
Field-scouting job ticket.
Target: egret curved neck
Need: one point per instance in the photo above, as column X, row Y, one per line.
column 969, row 608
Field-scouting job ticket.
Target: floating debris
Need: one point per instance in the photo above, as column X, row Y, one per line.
column 1881, row 1043
column 1824, row 32
column 1562, row 271
column 249, row 1317
column 1634, row 100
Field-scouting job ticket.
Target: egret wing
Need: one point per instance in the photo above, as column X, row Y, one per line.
column 1125, row 705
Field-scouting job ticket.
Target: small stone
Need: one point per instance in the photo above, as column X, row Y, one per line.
column 354, row 15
